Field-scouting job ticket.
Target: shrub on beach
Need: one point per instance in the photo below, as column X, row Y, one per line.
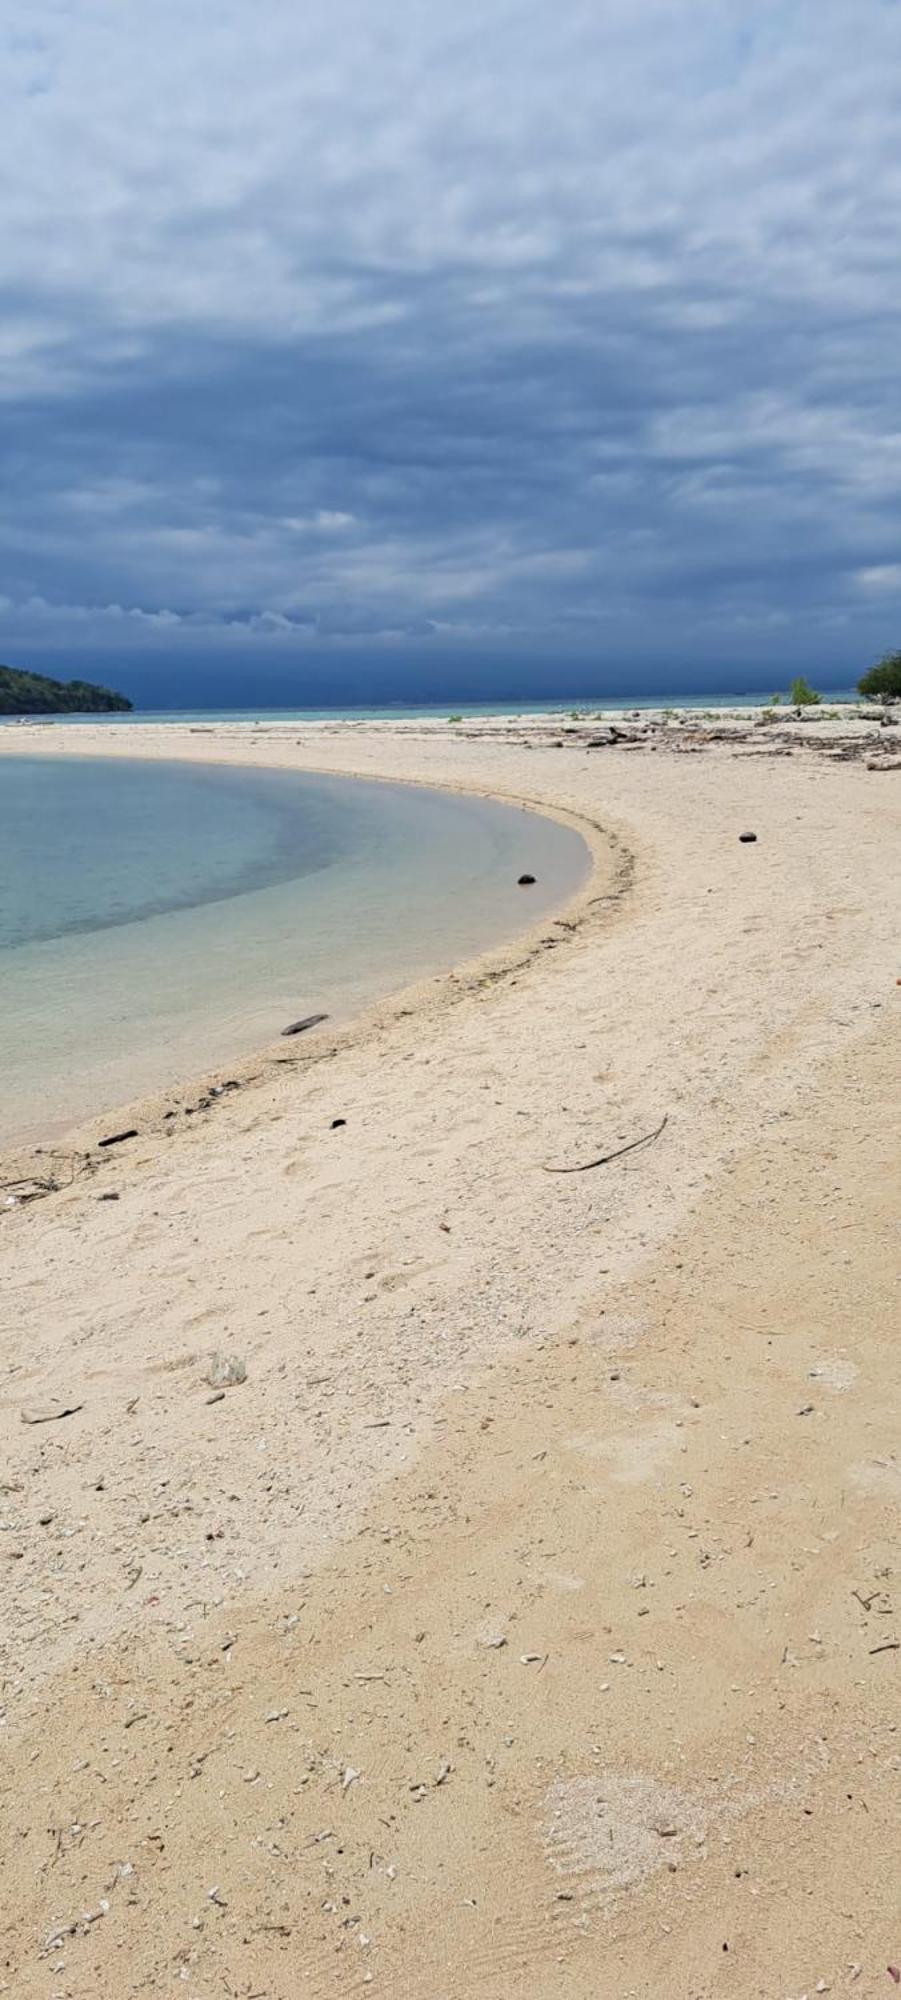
column 803, row 695
column 882, row 682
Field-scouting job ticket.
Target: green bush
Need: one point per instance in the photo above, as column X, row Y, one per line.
column 803, row 695
column 883, row 682
column 455, row 718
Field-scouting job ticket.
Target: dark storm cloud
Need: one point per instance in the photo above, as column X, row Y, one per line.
column 570, row 336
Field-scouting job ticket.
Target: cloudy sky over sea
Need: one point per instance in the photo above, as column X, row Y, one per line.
column 449, row 339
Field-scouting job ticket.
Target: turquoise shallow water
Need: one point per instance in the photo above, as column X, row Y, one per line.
column 89, row 845
column 159, row 919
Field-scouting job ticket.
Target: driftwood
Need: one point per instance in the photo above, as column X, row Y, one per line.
column 35, row 1186
column 585, row 1166
column 50, row 1412
column 309, row 1021
column 34, row 1181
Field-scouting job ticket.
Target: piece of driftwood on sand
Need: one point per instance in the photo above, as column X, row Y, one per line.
column 584, row 1166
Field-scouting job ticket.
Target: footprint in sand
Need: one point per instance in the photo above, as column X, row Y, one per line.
column 878, row 1477
column 633, row 1457
column 618, row 1829
column 835, row 1373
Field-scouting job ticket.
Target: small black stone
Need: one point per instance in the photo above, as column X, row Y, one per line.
column 525, row 881
column 746, row 837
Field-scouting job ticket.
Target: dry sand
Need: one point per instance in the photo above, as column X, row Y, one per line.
column 527, row 1622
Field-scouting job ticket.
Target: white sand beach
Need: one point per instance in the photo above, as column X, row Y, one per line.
column 527, row 1622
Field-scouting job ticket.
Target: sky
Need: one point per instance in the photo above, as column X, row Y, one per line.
column 371, row 347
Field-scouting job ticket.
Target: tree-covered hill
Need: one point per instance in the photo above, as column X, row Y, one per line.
column 34, row 694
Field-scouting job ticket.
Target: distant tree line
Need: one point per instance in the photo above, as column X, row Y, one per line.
column 35, row 694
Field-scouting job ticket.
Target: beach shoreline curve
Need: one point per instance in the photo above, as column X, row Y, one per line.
column 611, row 877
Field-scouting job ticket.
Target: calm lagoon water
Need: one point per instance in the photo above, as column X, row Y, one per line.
column 159, row 919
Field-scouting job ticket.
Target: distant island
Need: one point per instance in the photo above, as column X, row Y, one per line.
column 34, row 694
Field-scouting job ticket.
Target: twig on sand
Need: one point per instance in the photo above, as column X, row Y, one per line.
column 585, row 1166
column 32, row 1181
column 35, row 1185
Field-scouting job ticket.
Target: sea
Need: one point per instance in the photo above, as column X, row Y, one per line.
column 159, row 920
column 439, row 711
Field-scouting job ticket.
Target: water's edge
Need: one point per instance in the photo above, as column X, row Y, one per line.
column 611, row 868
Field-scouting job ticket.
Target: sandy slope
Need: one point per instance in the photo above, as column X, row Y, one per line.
column 637, row 1423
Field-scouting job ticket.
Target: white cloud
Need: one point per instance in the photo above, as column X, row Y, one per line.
column 881, row 578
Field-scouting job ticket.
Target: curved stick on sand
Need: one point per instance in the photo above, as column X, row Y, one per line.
column 585, row 1166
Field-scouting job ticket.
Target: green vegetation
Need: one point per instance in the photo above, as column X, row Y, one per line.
column 883, row 682
column 34, row 694
column 455, row 718
column 802, row 694
column 768, row 714
column 775, row 700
